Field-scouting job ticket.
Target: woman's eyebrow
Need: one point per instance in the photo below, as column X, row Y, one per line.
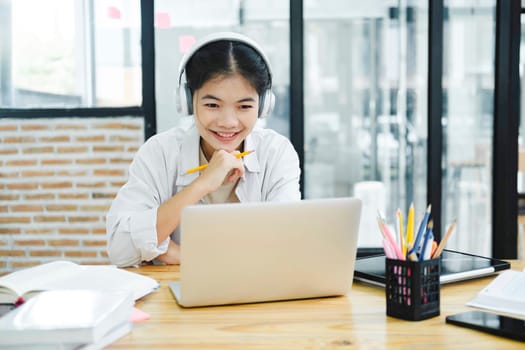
column 211, row 97
column 247, row 99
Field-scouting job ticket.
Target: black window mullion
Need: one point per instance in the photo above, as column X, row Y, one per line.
column 297, row 82
column 100, row 112
column 506, row 123
column 148, row 67
column 435, row 111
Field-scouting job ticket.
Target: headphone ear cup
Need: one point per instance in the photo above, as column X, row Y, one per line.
column 266, row 103
column 188, row 100
column 178, row 99
column 183, row 100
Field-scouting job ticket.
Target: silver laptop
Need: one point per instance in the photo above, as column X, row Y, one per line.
column 255, row 252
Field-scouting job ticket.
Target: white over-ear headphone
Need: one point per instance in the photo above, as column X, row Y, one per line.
column 183, row 97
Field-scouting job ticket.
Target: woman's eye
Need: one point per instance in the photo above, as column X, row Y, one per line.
column 246, row 106
column 212, row 105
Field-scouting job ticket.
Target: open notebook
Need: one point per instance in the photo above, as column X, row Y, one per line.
column 254, row 252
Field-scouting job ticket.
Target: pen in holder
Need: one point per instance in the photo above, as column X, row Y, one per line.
column 412, row 289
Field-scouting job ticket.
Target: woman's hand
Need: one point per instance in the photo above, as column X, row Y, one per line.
column 222, row 166
column 172, row 256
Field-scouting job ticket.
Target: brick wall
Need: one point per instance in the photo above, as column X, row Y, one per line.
column 58, row 177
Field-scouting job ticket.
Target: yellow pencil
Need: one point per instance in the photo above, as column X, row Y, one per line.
column 410, row 227
column 402, row 242
column 204, row 166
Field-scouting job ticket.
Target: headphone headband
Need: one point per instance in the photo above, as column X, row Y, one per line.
column 184, row 97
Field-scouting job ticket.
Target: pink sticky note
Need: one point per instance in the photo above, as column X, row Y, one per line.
column 114, row 12
column 185, row 42
column 162, row 20
column 138, row 315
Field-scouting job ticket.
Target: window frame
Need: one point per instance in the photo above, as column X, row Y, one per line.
column 506, row 108
column 145, row 110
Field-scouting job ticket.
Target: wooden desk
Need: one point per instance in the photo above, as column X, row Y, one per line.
column 356, row 321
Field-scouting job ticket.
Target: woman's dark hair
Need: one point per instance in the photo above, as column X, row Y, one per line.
column 224, row 58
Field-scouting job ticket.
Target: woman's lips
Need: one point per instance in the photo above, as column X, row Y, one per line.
column 225, row 136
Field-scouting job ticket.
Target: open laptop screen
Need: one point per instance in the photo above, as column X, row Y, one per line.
column 235, row 253
column 455, row 266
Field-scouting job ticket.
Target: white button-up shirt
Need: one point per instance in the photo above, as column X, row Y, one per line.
column 158, row 171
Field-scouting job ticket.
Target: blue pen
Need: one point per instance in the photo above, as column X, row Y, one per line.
column 430, row 243
column 424, row 247
column 421, row 229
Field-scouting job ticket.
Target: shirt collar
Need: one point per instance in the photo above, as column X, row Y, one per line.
column 251, row 162
column 188, row 157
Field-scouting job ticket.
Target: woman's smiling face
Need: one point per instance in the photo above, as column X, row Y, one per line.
column 226, row 110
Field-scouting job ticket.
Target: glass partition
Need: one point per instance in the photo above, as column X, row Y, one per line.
column 468, row 93
column 366, row 106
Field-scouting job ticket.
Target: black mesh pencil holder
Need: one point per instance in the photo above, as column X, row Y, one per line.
column 412, row 289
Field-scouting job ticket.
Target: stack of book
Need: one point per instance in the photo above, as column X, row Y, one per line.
column 68, row 306
column 68, row 320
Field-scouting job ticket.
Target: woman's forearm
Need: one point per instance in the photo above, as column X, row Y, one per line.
column 169, row 212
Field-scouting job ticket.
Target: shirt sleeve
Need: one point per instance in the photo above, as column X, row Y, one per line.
column 131, row 223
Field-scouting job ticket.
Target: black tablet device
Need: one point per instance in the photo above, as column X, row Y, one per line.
column 504, row 326
column 455, row 266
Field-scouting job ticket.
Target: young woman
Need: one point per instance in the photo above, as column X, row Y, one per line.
column 225, row 83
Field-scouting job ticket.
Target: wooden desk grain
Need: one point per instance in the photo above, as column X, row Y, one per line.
column 357, row 321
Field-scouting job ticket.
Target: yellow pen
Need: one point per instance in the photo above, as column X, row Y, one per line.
column 402, row 242
column 204, row 166
column 410, row 227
